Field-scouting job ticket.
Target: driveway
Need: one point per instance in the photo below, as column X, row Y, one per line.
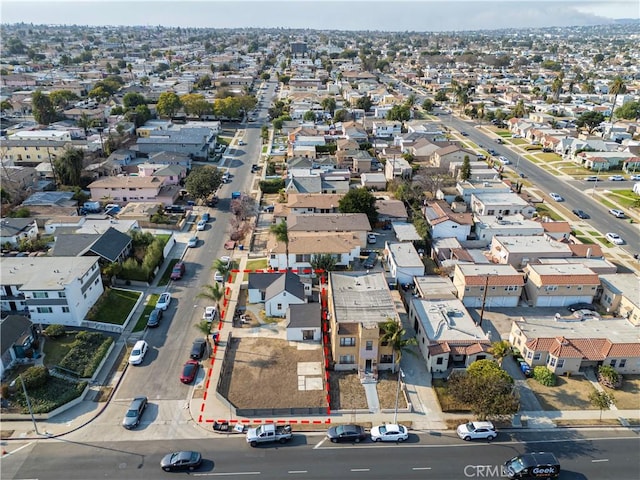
column 528, row 400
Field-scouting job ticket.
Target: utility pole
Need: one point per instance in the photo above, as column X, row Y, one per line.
column 484, row 299
column 26, row 396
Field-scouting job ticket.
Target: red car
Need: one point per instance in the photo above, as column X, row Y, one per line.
column 189, row 371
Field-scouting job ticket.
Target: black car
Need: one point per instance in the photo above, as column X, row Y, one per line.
column 346, row 433
column 154, row 318
column 371, row 260
column 134, row 413
column 198, row 348
column 186, row 460
column 582, row 306
column 580, row 214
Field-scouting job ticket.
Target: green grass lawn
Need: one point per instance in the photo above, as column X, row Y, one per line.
column 543, row 211
column 585, row 240
column 625, row 198
column 257, row 264
column 56, row 348
column 166, row 275
column 549, row 157
column 114, row 306
column 518, row 141
column 144, row 316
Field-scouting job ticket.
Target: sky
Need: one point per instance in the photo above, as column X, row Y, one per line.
column 386, row 15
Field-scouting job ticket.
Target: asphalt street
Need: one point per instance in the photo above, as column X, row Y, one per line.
column 594, row 455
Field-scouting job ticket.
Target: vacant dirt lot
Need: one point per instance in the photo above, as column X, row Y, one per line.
column 347, row 393
column 263, row 373
column 570, row 393
column 627, row 397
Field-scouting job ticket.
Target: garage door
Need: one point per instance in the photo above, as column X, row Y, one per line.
column 559, row 301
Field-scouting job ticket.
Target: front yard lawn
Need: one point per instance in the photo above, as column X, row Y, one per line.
column 114, row 306
column 569, row 393
column 544, row 211
column 628, row 396
column 55, row 349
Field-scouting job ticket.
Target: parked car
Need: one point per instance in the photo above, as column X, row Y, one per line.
column 371, row 260
column 193, row 242
column 205, row 217
column 164, row 301
column 616, row 178
column 617, row 213
column 139, row 351
column 269, row 209
column 134, row 413
column 201, row 225
column 389, row 433
column 181, row 461
column 557, row 197
column 346, row 433
column 212, row 202
column 198, row 348
column 372, row 238
column 581, row 214
column 477, row 430
column 614, row 238
column 189, row 371
column 464, row 134
column 154, row 318
column 591, row 178
column 582, row 306
column 178, row 271
column 525, row 368
column 586, row 314
column 218, row 277
column 634, row 178
column 210, row 313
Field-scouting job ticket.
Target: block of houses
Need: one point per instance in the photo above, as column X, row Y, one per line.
column 53, row 289
column 447, row 336
column 444, row 222
column 358, row 304
column 403, row 261
column 501, row 204
column 277, row 291
column 488, row 226
column 303, row 322
column 559, row 285
column 16, row 230
column 620, row 295
column 31, row 152
column 17, row 336
column 488, row 284
column 569, row 345
column 520, row 251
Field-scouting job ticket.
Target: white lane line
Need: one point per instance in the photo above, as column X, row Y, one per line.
column 601, row 460
column 221, row 474
column 421, row 468
column 360, row 469
column 18, row 449
column 319, row 444
column 297, row 471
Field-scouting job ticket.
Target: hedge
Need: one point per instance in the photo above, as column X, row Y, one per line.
column 35, row 377
column 55, row 330
column 86, row 353
column 55, row 393
column 271, row 186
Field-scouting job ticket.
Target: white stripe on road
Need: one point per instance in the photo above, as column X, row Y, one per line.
column 601, row 460
column 319, row 444
column 296, row 471
column 221, row 474
column 360, row 469
column 421, row 468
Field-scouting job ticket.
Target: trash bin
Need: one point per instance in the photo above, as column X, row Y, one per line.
column 240, row 247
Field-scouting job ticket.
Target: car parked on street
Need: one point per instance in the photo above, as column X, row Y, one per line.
column 206, row 217
column 181, row 461
column 189, row 371
column 154, row 318
column 164, row 301
column 218, row 277
column 616, row 178
column 346, row 433
column 614, row 238
column 581, row 214
column 389, row 432
column 557, row 197
column 617, row 213
column 586, row 314
column 193, row 242
column 210, row 313
column 372, row 238
column 591, row 178
column 634, row 178
column 477, row 430
column 178, row 271
column 139, row 351
column 525, row 368
column 202, row 225
column 371, row 260
column 198, row 348
column 582, row 306
column 134, row 413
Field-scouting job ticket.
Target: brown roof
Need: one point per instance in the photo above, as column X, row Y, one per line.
column 329, row 222
column 493, row 280
column 347, row 328
column 315, row 243
column 594, row 349
column 592, row 279
column 439, row 349
column 583, row 249
column 314, row 200
column 127, row 182
column 391, row 208
column 556, row 227
column 441, row 212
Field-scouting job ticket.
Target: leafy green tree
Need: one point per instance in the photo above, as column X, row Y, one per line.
column 359, row 200
column 323, row 261
column 213, row 292
column 62, row 98
column 203, row 181
column 168, row 104
column 601, row 400
column 69, row 165
column 399, row 113
column 500, row 350
column 519, row 110
column 328, row 104
column 281, row 232
column 43, row 111
column 341, row 115
column 132, row 100
column 196, row 104
column 441, row 96
column 85, row 123
column 465, row 170
column 309, row 116
column 629, row 111
column 204, row 327
column 364, row 103
column 100, row 94
column 427, row 105
column 590, row 120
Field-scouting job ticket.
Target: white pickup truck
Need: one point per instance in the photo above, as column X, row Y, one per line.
column 269, row 433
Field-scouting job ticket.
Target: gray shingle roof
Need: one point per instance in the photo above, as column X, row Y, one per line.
column 304, row 315
column 111, row 244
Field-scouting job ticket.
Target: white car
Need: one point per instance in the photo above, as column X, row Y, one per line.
column 218, row 277
column 617, row 213
column 557, row 197
column 389, row 433
column 585, row 314
column 474, row 430
column 634, row 178
column 138, row 352
column 616, row 178
column 201, row 225
column 591, row 178
column 210, row 314
column 164, row 301
column 226, row 259
column 614, row 238
column 371, row 238
column 193, row 242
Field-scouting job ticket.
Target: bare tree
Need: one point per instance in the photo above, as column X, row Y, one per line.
column 431, row 179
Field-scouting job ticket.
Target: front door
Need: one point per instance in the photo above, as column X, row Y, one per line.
column 367, row 366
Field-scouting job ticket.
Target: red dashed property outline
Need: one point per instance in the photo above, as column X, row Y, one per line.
column 325, row 352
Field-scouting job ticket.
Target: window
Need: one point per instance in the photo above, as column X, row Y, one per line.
column 369, row 345
column 40, row 294
column 536, row 356
column 65, row 309
column 348, row 359
column 439, row 361
column 45, row 310
column 62, row 294
column 347, row 341
column 551, row 288
column 511, row 288
column 613, row 362
column 560, row 362
column 623, row 363
column 552, row 361
column 529, row 355
column 279, row 306
column 386, row 358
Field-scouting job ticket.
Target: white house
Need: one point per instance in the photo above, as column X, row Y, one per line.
column 403, row 261
column 304, row 322
column 15, row 230
column 278, row 291
column 445, row 223
column 501, row 204
column 53, row 289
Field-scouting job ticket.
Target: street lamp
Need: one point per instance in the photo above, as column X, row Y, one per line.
column 395, row 415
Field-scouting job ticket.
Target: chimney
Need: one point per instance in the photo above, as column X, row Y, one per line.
column 589, row 252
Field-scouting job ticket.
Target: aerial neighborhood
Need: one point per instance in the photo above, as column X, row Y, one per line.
column 323, row 212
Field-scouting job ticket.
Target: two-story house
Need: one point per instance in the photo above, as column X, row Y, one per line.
column 488, row 285
column 501, row 204
column 445, row 223
column 277, row 291
column 133, row 189
column 559, row 285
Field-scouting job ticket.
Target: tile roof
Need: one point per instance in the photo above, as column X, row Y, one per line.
column 585, row 250
column 494, row 280
column 593, row 349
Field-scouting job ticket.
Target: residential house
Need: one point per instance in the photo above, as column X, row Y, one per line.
column 520, row 251
column 403, row 262
column 298, row 203
column 170, row 174
column 196, row 142
column 620, row 295
column 454, row 153
column 501, row 204
column 53, row 289
column 303, row 322
column 20, row 179
column 560, row 231
column 111, row 246
column 170, row 158
column 16, row 230
column 44, row 205
column 444, row 222
column 571, row 345
column 397, row 167
column 17, row 337
column 488, row 226
column 126, row 189
column 31, row 152
column 278, row 291
column 469, row 187
column 447, row 336
column 358, row 305
column 386, row 128
column 559, row 285
column 373, row 181
column 391, row 210
column 488, row 285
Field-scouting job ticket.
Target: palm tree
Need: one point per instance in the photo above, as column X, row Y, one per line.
column 222, row 267
column 556, row 86
column 281, row 233
column 616, row 87
column 213, row 293
column 204, row 327
column 394, row 336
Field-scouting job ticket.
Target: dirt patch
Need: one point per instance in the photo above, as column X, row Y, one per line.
column 103, row 394
column 347, row 393
column 6, row 434
column 448, row 404
column 569, row 393
column 263, row 373
column 586, row 423
column 628, row 396
column 387, row 389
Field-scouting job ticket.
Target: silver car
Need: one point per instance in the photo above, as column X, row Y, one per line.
column 134, row 413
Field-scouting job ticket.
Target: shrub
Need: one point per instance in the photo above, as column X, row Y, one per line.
column 271, row 186
column 35, row 377
column 609, row 377
column 545, row 376
column 86, row 353
column 54, row 331
column 55, row 393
